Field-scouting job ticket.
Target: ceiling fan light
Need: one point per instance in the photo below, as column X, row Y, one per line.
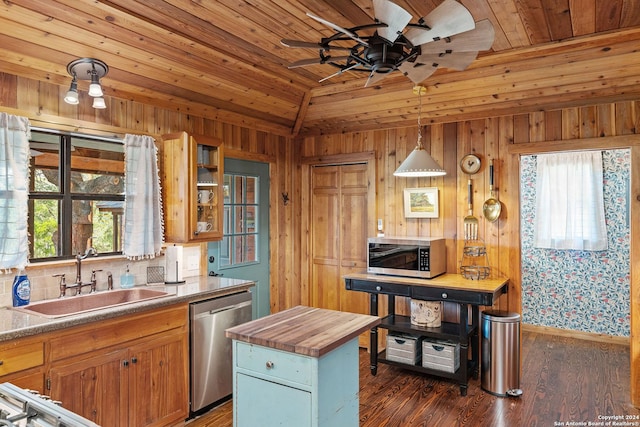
column 99, row 103
column 419, row 164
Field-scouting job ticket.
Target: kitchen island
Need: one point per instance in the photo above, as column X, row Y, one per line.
column 448, row 287
column 298, row 367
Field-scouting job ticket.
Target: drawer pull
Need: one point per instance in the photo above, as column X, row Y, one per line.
column 444, row 295
column 438, row 347
column 269, row 364
column 378, row 288
column 1, row 362
column 399, row 341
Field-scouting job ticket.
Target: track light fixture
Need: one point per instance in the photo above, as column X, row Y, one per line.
column 72, row 95
column 87, row 69
column 419, row 162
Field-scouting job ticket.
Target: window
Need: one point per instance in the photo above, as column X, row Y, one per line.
column 570, row 202
column 76, row 195
column 240, row 225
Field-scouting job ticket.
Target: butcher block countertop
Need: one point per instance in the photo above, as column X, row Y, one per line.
column 304, row 330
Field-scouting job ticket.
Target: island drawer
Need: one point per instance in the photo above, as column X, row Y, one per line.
column 269, row 362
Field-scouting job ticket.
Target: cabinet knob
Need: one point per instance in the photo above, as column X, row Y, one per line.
column 1, row 362
column 134, row 360
column 444, row 295
column 125, row 363
column 270, row 364
column 378, row 288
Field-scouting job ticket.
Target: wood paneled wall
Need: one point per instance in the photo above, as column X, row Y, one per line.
column 500, row 138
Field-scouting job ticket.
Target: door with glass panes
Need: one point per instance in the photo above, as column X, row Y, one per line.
column 243, row 252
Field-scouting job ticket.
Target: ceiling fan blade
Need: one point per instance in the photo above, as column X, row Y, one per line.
column 445, row 20
column 375, row 78
column 417, row 72
column 339, row 72
column 316, row 61
column 480, row 38
column 338, row 28
column 393, row 15
column 455, row 60
column 310, row 45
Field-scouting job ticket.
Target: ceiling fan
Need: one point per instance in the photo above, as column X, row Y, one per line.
column 447, row 37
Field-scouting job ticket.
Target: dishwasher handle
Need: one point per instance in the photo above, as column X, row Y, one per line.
column 229, row 307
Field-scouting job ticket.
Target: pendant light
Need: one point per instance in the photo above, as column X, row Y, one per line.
column 419, row 163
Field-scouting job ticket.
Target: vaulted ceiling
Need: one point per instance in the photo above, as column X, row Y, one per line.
column 223, row 59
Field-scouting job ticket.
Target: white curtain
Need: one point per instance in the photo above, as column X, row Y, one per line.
column 143, row 224
column 570, row 201
column 14, row 191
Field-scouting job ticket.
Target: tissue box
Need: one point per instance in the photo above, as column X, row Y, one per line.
column 403, row 348
column 441, row 355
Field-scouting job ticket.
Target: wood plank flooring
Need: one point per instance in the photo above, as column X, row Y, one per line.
column 566, row 381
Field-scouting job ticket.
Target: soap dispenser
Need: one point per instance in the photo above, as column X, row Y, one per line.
column 126, row 280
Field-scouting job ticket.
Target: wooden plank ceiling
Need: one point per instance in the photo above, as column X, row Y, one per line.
column 223, row 59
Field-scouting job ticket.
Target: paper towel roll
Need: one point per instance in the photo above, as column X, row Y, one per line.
column 173, row 264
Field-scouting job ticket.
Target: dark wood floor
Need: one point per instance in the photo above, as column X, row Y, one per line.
column 564, row 380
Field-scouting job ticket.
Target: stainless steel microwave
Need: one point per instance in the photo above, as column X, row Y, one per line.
column 423, row 257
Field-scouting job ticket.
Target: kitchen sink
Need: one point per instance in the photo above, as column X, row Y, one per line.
column 68, row 306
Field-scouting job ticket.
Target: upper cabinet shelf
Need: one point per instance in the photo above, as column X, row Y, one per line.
column 192, row 170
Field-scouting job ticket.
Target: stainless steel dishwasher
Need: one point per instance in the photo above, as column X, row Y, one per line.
column 211, row 365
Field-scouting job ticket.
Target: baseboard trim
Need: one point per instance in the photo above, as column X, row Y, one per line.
column 588, row 336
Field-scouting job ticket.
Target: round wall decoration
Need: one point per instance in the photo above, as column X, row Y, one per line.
column 470, row 164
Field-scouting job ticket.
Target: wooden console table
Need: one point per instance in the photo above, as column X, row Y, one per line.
column 448, row 287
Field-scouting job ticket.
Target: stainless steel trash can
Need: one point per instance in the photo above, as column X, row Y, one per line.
column 500, row 369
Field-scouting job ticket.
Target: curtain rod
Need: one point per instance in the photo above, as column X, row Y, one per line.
column 76, row 134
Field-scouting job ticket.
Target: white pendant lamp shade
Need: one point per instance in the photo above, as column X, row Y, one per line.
column 99, row 103
column 419, row 163
column 95, row 90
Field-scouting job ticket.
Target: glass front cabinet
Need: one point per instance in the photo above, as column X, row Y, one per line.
column 192, row 174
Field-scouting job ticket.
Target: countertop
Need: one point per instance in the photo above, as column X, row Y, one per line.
column 304, row 330
column 17, row 324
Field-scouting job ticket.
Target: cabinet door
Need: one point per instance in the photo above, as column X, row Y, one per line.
column 206, row 204
column 192, row 170
column 94, row 387
column 265, row 403
column 158, row 378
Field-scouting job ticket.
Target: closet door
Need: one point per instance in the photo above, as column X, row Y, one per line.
column 339, row 209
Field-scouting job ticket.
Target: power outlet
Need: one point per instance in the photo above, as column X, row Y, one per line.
column 193, row 262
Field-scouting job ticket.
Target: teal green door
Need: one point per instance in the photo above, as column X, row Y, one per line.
column 243, row 253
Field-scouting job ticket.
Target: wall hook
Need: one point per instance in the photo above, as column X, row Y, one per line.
column 285, row 198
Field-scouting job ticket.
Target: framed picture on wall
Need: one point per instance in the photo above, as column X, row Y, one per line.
column 421, row 202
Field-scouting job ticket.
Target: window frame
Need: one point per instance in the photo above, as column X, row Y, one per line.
column 65, row 197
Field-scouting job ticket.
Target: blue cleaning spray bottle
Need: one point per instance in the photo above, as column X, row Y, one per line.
column 21, row 289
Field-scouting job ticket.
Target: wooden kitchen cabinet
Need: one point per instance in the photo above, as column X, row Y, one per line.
column 130, row 371
column 192, row 169
column 22, row 363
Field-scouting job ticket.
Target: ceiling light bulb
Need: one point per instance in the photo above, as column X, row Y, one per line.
column 99, row 103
